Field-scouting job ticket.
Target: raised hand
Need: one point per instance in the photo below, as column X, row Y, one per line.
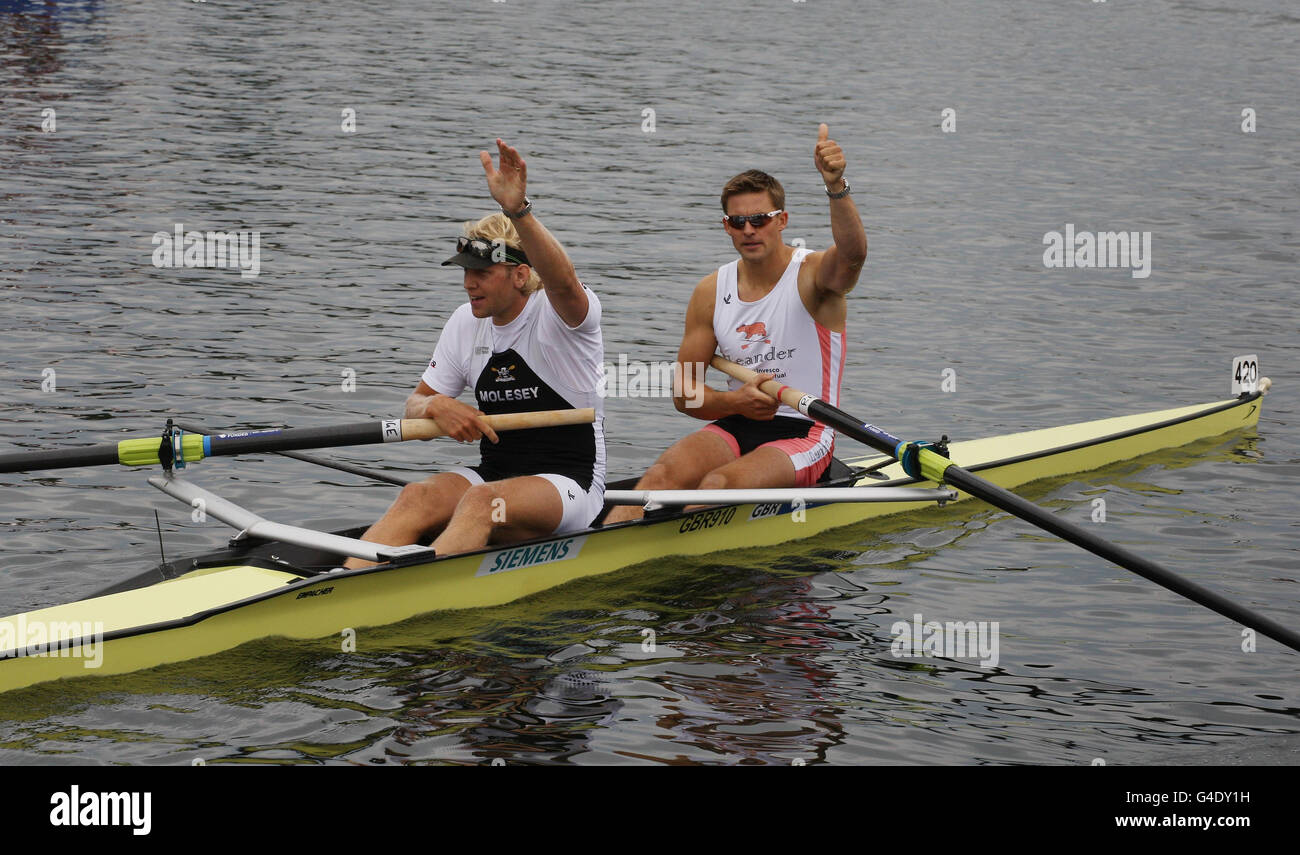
column 828, row 156
column 507, row 184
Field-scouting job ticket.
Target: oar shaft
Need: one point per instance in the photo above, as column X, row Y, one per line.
column 957, row 477
column 386, row 477
column 289, row 439
column 367, row 433
column 30, row 461
column 936, row 468
column 144, row 452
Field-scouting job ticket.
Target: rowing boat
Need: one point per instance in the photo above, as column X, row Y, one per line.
column 282, row 580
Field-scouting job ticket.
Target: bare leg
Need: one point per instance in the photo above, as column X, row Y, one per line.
column 681, row 467
column 420, row 510
column 761, row 468
column 502, row 512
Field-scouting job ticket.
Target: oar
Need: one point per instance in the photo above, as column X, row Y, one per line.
column 400, row 481
column 920, row 461
column 155, row 450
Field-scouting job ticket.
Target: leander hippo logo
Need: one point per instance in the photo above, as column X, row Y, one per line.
column 755, row 333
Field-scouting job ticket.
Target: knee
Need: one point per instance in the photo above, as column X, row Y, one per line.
column 415, row 496
column 714, row 481
column 483, row 502
column 660, row 477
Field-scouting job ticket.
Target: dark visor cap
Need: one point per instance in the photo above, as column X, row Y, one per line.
column 469, row 261
column 479, row 254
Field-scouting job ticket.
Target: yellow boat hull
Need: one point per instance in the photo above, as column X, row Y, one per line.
column 216, row 608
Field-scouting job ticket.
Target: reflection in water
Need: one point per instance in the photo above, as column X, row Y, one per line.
column 32, row 42
column 733, row 680
column 32, row 34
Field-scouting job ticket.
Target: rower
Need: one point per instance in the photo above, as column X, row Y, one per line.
column 776, row 309
column 528, row 339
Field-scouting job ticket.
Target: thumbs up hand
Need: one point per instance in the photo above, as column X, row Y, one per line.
column 828, row 156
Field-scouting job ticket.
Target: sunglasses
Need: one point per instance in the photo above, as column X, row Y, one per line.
column 494, row 251
column 737, row 221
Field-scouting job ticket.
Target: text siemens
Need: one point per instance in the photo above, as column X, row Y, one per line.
column 539, row 554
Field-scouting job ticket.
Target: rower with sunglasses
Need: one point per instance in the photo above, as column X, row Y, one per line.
column 528, row 339
column 779, row 310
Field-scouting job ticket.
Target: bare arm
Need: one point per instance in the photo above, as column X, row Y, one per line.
column 691, row 395
column 546, row 256
column 562, row 286
column 838, row 267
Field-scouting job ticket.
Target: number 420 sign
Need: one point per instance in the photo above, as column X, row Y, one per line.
column 1245, row 374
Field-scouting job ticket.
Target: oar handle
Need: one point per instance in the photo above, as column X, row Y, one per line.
column 787, row 395
column 817, row 409
column 428, row 428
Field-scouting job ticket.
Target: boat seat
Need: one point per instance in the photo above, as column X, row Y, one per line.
column 836, row 471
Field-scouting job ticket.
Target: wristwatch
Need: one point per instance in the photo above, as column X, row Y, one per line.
column 842, row 193
column 522, row 212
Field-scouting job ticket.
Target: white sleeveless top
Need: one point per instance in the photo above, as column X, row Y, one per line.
column 776, row 335
column 535, row 362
